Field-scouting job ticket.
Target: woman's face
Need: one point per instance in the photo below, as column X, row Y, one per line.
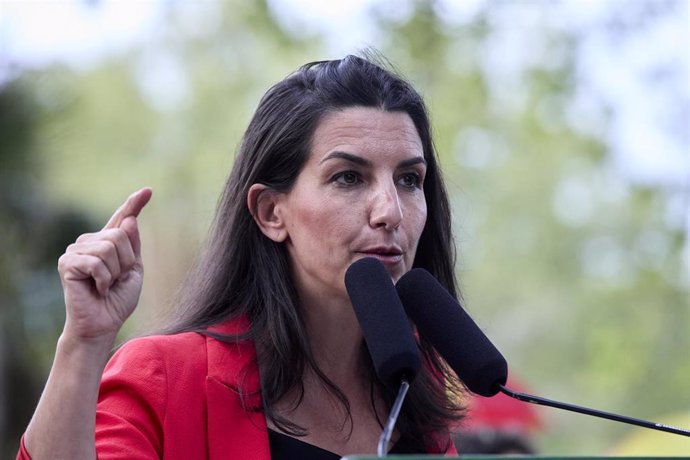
column 360, row 194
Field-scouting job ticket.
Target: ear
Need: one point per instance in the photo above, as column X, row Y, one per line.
column 263, row 202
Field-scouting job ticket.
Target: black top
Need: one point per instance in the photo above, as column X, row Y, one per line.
column 284, row 447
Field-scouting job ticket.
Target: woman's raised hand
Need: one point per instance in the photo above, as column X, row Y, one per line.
column 102, row 274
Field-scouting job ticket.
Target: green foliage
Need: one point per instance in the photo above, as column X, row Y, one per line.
column 35, row 232
column 574, row 271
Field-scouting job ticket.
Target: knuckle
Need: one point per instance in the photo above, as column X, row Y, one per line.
column 84, row 237
column 117, row 236
column 93, row 264
column 107, row 249
column 62, row 262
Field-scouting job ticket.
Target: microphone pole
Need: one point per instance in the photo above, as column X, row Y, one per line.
column 392, row 418
column 593, row 412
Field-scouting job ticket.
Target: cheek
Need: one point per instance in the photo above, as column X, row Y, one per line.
column 417, row 217
column 319, row 222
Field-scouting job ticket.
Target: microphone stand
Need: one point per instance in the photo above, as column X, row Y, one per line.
column 596, row 413
column 392, row 418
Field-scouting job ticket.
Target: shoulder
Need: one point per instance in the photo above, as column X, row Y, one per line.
column 159, row 349
column 162, row 344
column 148, row 381
column 183, row 344
column 150, row 365
column 184, row 352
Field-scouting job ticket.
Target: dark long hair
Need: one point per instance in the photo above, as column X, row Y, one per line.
column 242, row 273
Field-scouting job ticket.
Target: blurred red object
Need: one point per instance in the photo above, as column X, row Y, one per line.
column 501, row 412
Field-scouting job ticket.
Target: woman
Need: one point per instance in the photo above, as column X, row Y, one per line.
column 265, row 359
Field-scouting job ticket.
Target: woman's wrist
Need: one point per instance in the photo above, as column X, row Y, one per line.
column 87, row 353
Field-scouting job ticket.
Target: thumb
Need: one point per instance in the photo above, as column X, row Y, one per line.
column 131, row 207
column 131, row 227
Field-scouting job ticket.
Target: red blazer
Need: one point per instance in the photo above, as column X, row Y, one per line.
column 176, row 397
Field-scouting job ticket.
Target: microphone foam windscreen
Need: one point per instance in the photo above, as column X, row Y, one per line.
column 387, row 331
column 442, row 321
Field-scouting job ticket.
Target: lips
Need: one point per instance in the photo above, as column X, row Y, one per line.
column 386, row 254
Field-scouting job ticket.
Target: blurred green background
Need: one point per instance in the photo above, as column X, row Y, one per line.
column 563, row 129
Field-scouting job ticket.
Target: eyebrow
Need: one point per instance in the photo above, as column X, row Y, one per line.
column 364, row 162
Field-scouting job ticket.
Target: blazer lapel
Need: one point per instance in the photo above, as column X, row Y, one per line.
column 234, row 432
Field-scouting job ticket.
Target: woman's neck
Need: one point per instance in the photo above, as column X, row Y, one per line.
column 336, row 343
column 336, row 340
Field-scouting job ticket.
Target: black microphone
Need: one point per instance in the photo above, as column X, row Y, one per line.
column 455, row 336
column 476, row 361
column 387, row 331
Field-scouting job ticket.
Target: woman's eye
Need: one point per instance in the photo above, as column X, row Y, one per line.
column 410, row 180
column 347, row 178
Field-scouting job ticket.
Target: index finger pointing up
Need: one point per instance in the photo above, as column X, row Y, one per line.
column 131, row 207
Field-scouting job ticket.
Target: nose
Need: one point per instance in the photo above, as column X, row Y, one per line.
column 385, row 211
